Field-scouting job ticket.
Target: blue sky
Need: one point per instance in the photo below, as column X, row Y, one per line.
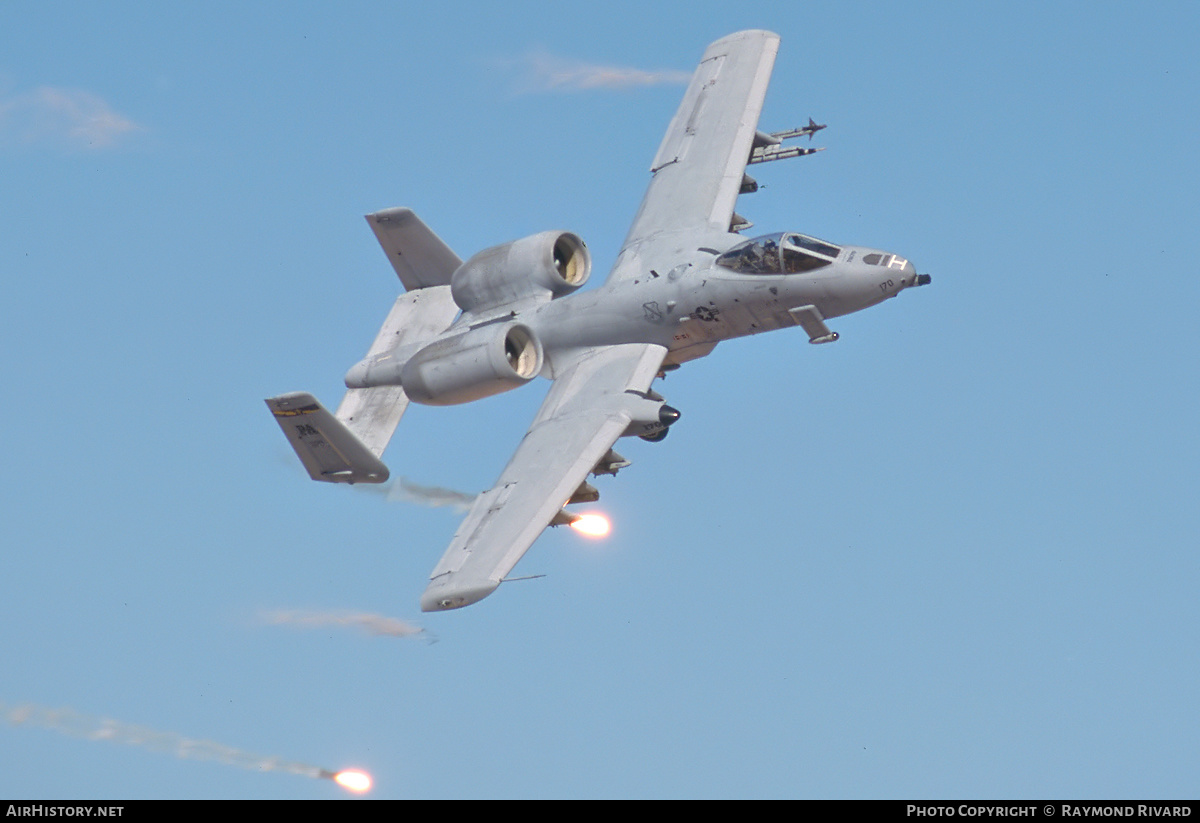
column 953, row 555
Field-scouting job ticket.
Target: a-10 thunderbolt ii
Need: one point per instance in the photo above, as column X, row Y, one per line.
column 683, row 281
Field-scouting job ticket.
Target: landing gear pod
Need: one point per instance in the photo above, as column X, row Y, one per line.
column 651, row 420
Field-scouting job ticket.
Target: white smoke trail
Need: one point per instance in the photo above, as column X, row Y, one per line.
column 546, row 72
column 372, row 623
column 65, row 116
column 405, row 491
column 71, row 722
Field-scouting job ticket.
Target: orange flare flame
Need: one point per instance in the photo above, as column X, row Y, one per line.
column 353, row 780
column 593, row 525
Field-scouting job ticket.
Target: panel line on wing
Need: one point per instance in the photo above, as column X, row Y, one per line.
column 699, row 169
column 584, row 413
column 683, row 128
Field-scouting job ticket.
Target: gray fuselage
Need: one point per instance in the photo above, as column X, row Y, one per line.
column 681, row 298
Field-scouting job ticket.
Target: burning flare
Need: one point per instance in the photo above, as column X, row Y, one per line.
column 593, row 525
column 71, row 722
column 353, row 780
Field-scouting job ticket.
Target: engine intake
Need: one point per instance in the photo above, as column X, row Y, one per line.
column 546, row 265
column 477, row 363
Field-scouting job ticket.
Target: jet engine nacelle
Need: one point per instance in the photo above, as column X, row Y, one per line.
column 477, row 363
column 551, row 264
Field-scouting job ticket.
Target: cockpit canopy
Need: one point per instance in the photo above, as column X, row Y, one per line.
column 780, row 253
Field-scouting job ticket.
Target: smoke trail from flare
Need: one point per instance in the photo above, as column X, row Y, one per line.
column 405, row 491
column 71, row 722
column 375, row 624
column 592, row 524
column 544, row 72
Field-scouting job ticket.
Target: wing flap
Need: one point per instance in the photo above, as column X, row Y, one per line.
column 587, row 409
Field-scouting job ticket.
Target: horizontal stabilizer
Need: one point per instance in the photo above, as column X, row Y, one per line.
column 417, row 316
column 373, row 414
column 327, row 448
column 419, row 256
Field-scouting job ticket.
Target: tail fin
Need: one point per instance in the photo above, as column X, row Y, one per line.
column 326, row 447
column 346, row 447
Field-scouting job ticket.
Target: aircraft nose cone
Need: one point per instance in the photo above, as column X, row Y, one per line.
column 910, row 277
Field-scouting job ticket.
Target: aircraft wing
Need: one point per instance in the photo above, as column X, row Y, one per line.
column 593, row 400
column 700, row 165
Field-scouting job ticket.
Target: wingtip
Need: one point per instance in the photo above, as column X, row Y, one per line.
column 283, row 405
column 395, row 214
column 445, row 594
column 752, row 33
column 742, row 36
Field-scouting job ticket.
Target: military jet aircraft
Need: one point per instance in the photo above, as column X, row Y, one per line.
column 683, row 281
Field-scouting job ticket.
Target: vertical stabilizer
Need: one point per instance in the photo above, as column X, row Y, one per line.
column 346, row 447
